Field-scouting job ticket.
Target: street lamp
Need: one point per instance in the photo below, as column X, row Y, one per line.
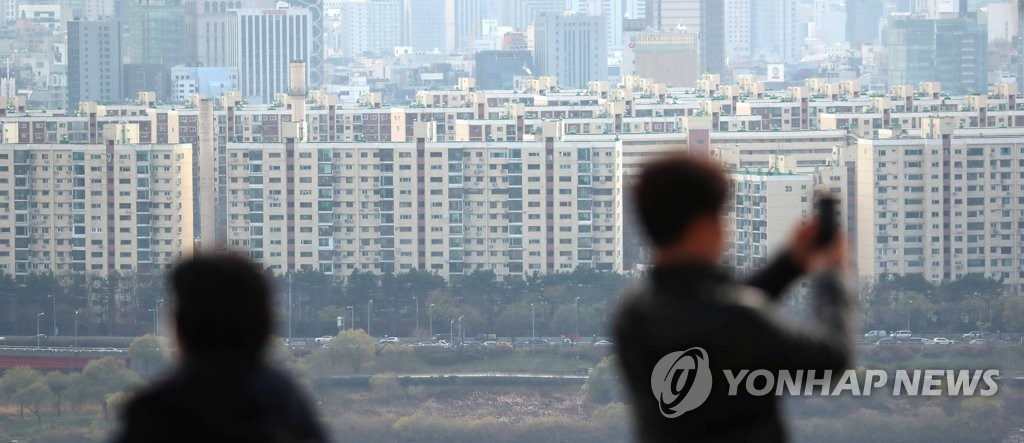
column 430, row 313
column 76, row 328
column 462, row 334
column 369, row 312
column 533, row 322
column 54, row 312
column 351, row 316
column 576, row 318
column 451, row 331
column 38, row 334
column 416, row 299
column 909, row 303
column 289, row 308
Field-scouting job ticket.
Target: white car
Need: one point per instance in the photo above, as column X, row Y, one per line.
column 942, row 341
column 602, row 343
column 388, row 340
column 901, row 334
column 323, row 340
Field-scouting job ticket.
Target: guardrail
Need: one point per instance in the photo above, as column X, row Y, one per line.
column 53, row 349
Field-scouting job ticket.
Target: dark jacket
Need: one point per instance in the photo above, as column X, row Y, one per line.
column 222, row 401
column 692, row 305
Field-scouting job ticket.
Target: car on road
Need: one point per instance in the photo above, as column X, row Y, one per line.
column 920, row 341
column 876, row 334
column 388, row 341
column 323, row 340
column 888, row 341
column 978, row 341
column 535, row 343
column 901, row 334
column 974, row 334
column 942, row 341
column 602, row 343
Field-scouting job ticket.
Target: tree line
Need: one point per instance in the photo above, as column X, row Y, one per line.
column 408, row 304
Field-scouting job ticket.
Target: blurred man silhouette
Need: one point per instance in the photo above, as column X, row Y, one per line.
column 687, row 302
column 224, row 390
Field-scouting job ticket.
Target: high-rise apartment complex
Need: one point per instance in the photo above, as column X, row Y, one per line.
column 571, row 48
column 94, row 62
column 775, row 32
column 95, row 208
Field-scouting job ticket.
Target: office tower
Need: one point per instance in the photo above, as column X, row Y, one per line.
column 610, row 10
column 939, row 9
column 97, row 208
column 863, row 18
column 670, row 57
column 9, row 11
column 153, row 31
column 369, row 26
column 519, row 14
column 1020, row 45
column 210, row 82
column 498, row 69
column 830, row 22
column 315, row 61
column 98, row 9
column 211, row 32
column 146, row 78
column 268, row 40
column 953, row 52
column 705, row 18
column 94, row 62
column 571, row 48
column 466, row 17
column 425, row 25
column 737, row 30
column 775, row 31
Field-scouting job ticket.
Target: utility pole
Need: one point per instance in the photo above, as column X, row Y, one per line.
column 416, row 299
column 369, row 312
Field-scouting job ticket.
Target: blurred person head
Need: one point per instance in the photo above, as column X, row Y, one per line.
column 680, row 201
column 221, row 307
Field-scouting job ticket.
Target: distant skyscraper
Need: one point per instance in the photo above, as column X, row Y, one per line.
column 268, row 40
column 315, row 62
column 373, row 26
column 521, row 13
column 953, row 52
column 571, row 47
column 611, row 11
column 466, row 17
column 775, row 31
column 153, row 29
column 211, row 34
column 98, row 9
column 830, row 22
column 737, row 30
column 703, row 17
column 862, row 20
column 425, row 25
column 498, row 69
column 94, row 62
column 9, row 11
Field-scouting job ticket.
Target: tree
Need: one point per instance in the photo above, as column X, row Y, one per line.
column 146, row 356
column 34, row 396
column 58, row 383
column 352, row 348
column 15, row 381
column 100, row 378
column 605, row 382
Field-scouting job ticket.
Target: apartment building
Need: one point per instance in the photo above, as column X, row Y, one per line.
column 514, row 208
column 941, row 202
column 114, row 206
column 764, row 208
